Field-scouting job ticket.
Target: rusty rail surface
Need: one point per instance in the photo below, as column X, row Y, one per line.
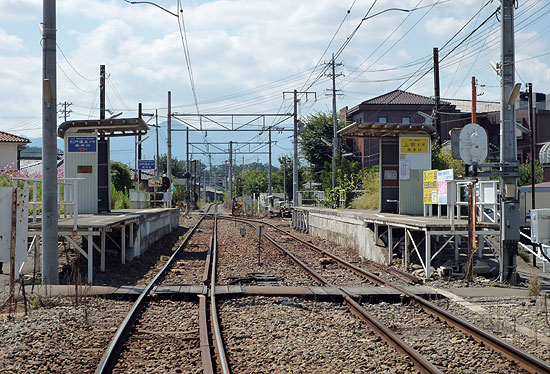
column 111, row 355
column 527, row 361
column 394, row 340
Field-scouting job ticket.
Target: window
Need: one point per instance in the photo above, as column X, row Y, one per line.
column 382, row 119
column 406, row 120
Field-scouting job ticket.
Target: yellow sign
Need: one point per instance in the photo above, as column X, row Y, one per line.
column 429, row 184
column 414, row 145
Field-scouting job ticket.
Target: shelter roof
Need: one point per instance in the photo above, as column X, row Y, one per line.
column 385, row 130
column 107, row 127
column 6, row 137
column 400, row 97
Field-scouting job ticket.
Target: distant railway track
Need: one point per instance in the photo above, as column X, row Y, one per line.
column 523, row 359
column 149, row 318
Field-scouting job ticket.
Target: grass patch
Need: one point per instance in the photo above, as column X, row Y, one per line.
column 370, row 198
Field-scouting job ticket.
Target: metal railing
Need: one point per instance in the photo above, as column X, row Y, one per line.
column 69, row 200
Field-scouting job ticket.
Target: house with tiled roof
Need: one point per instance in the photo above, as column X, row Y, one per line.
column 10, row 147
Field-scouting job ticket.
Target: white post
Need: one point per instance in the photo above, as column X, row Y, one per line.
column 90, row 257
column 428, row 255
column 75, row 205
column 103, row 250
column 123, row 247
column 390, row 244
column 406, row 255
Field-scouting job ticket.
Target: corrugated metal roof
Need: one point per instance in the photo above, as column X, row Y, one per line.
column 11, row 138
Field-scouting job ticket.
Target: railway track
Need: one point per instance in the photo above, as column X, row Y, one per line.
column 524, row 360
column 173, row 335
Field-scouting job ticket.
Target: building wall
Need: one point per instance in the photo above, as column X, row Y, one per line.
column 8, row 154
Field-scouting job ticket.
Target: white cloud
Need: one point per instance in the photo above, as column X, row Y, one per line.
column 443, row 26
column 10, row 42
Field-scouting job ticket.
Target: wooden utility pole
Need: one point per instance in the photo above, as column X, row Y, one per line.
column 472, row 209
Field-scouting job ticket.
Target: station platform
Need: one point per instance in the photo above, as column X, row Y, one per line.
column 378, row 236
column 129, row 232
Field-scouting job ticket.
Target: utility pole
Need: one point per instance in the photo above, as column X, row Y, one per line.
column 169, row 139
column 210, row 177
column 188, row 169
column 284, row 178
column 269, row 185
column 230, row 177
column 66, row 112
column 50, row 253
column 335, row 146
column 103, row 167
column 474, row 100
column 531, row 116
column 437, row 93
column 157, row 135
column 140, row 115
column 295, row 139
column 509, row 225
column 101, row 91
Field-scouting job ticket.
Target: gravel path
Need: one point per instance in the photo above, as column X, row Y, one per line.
column 281, row 335
column 445, row 346
column 165, row 339
column 61, row 339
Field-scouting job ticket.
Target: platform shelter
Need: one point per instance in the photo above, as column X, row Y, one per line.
column 405, row 153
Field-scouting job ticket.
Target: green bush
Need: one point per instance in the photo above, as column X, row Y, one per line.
column 371, row 185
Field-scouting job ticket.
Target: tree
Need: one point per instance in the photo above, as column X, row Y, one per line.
column 318, row 128
column 179, row 167
column 344, row 169
column 442, row 158
column 121, row 176
column 525, row 173
column 254, row 181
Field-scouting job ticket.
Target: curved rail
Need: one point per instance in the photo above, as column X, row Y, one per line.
column 394, row 340
column 216, row 332
column 523, row 359
column 110, row 357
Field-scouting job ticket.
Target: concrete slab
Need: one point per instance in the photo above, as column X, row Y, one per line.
column 488, row 291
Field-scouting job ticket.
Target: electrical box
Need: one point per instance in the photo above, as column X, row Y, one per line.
column 540, row 226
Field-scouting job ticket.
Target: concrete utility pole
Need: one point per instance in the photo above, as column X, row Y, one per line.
column 210, row 176
column 101, row 91
column 284, row 178
column 295, row 154
column 169, row 138
column 230, row 177
column 531, row 116
column 140, row 115
column 157, row 135
column 474, row 100
column 295, row 139
column 66, row 112
column 509, row 226
column 335, row 145
column 437, row 93
column 50, row 261
column 269, row 185
column 188, row 169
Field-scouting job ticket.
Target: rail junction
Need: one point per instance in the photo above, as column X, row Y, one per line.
column 191, row 293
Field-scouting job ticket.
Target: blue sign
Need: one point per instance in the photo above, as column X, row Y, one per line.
column 82, row 144
column 146, row 164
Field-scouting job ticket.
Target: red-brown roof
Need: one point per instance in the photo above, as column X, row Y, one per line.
column 6, row 137
column 399, row 97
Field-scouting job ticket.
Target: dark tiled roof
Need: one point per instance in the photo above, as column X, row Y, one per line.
column 10, row 138
column 399, row 97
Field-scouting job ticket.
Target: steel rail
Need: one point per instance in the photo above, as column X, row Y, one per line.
column 394, row 340
column 216, row 331
column 527, row 361
column 110, row 357
column 411, row 279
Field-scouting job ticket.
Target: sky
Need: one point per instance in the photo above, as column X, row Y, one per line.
column 245, row 53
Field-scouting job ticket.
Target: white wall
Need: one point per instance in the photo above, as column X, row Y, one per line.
column 8, row 154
